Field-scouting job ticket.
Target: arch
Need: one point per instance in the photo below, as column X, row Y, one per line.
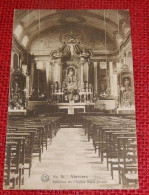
column 18, row 31
column 25, row 40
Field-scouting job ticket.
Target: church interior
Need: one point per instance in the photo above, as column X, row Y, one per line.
column 71, row 100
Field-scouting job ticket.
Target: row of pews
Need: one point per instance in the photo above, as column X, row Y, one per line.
column 114, row 139
column 26, row 138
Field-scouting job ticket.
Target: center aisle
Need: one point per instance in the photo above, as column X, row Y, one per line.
column 69, row 156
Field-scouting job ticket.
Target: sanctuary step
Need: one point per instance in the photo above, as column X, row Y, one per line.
column 78, row 125
column 68, row 125
column 63, row 125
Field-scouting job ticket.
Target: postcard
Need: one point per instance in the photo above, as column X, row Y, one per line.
column 71, row 111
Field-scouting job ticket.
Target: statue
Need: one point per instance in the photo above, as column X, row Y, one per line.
column 126, row 84
column 17, row 96
column 71, row 81
column 16, row 92
column 126, row 95
column 71, row 76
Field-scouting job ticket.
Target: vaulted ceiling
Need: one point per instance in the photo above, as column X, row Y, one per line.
column 42, row 30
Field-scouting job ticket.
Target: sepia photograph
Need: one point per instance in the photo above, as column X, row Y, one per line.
column 71, row 111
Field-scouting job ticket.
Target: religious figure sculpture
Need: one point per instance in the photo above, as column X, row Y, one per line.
column 126, row 94
column 70, row 84
column 126, row 84
column 71, row 80
column 71, row 76
column 16, row 92
column 16, row 101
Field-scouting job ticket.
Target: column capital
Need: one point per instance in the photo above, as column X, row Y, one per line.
column 82, row 60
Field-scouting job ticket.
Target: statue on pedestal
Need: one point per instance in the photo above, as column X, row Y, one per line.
column 126, row 93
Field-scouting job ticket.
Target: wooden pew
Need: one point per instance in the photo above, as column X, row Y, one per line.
column 127, row 149
column 100, row 130
column 37, row 138
column 112, row 147
column 18, row 157
column 43, row 132
column 29, row 137
column 11, row 178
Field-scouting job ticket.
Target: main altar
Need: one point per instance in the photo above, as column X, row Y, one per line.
column 70, row 88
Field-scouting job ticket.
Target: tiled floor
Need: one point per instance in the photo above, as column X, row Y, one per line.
column 70, row 163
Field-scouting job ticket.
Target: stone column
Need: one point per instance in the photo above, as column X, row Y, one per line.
column 111, row 77
column 86, row 71
column 27, row 91
column 119, row 67
column 82, row 79
column 95, row 79
column 60, row 70
column 57, row 70
column 47, row 73
column 115, row 84
column 81, row 70
column 50, row 71
column 27, row 86
column 32, row 77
